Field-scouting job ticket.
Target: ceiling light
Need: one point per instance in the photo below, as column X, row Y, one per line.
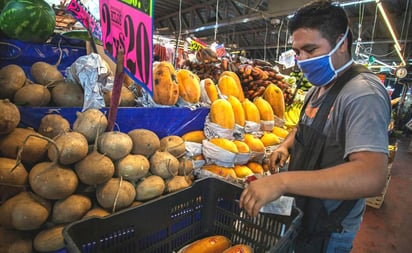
column 355, row 2
column 388, row 24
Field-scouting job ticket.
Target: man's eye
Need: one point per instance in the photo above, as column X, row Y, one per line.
column 310, row 50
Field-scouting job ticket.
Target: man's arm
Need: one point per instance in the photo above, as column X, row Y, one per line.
column 363, row 176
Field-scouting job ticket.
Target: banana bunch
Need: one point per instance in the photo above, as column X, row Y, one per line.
column 292, row 114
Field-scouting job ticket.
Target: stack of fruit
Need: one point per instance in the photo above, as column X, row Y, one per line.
column 256, row 78
column 305, row 85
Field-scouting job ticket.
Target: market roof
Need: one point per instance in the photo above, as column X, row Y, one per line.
column 259, row 27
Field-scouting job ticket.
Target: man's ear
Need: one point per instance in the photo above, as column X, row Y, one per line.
column 344, row 46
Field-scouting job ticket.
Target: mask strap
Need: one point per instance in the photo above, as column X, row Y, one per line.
column 344, row 66
column 340, row 41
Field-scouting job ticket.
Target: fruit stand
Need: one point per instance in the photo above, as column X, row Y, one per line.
column 196, row 137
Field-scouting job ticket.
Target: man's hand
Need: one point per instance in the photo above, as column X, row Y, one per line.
column 278, row 157
column 260, row 192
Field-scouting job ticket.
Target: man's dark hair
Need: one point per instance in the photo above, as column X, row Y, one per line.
column 329, row 19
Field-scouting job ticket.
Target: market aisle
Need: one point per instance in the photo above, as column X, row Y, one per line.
column 389, row 229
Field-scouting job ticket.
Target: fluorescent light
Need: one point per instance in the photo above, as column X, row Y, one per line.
column 355, row 2
column 388, row 24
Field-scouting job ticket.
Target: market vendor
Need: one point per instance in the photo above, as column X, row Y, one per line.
column 339, row 151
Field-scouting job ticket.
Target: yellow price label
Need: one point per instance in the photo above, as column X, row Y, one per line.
column 195, row 46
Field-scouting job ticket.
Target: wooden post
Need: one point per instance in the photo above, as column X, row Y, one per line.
column 117, row 88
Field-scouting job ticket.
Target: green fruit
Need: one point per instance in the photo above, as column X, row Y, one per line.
column 28, row 20
column 3, row 3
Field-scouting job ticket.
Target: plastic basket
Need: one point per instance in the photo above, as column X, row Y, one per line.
column 209, row 207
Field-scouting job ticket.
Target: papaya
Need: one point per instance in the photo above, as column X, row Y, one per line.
column 254, row 143
column 242, row 147
column 237, row 110
column 165, row 87
column 269, row 139
column 211, row 89
column 242, row 171
column 220, row 170
column 225, row 144
column 274, row 95
column 256, row 167
column 265, row 109
column 239, row 248
column 251, row 111
column 194, row 136
column 189, row 85
column 241, row 95
column 279, row 131
column 221, row 113
column 227, row 86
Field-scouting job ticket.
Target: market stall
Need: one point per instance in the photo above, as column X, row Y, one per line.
column 92, row 126
column 110, row 140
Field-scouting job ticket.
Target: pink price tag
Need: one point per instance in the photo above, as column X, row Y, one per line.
column 129, row 28
column 79, row 12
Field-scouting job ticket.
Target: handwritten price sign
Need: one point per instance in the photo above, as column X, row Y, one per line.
column 127, row 25
column 76, row 8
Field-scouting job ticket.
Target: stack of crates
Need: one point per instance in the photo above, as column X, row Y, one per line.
column 376, row 202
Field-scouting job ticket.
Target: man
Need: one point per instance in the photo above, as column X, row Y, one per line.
column 338, row 152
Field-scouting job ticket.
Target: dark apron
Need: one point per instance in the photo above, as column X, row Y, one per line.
column 313, row 150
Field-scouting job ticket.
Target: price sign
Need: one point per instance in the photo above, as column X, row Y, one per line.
column 127, row 25
column 80, row 13
column 196, row 44
column 220, row 50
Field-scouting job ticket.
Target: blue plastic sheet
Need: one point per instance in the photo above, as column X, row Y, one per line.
column 163, row 121
column 25, row 54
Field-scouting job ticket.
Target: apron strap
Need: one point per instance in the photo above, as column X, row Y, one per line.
column 319, row 121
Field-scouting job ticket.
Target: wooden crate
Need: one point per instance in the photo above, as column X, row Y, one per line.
column 376, row 202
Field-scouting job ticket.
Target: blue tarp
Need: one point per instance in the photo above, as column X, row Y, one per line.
column 163, row 121
column 26, row 54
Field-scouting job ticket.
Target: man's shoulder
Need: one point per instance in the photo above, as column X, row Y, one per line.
column 364, row 84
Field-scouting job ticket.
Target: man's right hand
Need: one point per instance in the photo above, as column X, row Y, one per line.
column 278, row 157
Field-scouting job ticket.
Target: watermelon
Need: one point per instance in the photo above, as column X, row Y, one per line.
column 3, row 3
column 28, row 20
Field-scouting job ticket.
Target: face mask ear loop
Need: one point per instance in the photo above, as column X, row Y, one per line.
column 340, row 42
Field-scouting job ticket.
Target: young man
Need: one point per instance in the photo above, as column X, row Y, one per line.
column 338, row 152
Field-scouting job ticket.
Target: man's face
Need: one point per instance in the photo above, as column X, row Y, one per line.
column 308, row 43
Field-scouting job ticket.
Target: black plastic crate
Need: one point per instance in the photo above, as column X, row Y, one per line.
column 209, row 207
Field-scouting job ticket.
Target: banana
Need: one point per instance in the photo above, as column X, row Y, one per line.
column 288, row 120
column 292, row 116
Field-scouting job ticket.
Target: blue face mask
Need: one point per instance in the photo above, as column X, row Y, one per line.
column 319, row 70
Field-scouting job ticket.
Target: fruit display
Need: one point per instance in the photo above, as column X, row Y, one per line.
column 305, row 85
column 56, row 175
column 65, row 172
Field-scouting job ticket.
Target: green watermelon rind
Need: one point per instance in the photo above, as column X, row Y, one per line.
column 30, row 21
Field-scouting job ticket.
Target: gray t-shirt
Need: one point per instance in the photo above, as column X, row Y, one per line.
column 359, row 121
